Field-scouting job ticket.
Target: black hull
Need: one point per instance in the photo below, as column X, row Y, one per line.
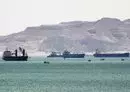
column 112, row 55
column 13, row 58
column 74, row 56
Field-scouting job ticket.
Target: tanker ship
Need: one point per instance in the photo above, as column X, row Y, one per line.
column 98, row 54
column 54, row 54
column 66, row 54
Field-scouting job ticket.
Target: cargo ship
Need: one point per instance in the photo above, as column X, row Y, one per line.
column 98, row 54
column 13, row 56
column 66, row 54
column 54, row 54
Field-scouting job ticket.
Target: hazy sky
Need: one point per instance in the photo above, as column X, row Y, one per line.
column 16, row 15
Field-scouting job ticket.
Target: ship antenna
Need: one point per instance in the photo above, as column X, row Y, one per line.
column 6, row 49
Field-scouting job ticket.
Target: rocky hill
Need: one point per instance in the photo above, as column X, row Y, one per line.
column 106, row 34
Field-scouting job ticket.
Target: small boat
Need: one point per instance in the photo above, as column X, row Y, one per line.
column 10, row 56
column 46, row 62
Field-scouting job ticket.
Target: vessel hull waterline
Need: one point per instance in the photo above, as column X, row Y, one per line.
column 13, row 58
column 111, row 55
column 19, row 58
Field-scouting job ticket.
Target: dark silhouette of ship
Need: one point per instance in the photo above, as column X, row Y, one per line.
column 66, row 54
column 98, row 54
column 54, row 54
column 13, row 56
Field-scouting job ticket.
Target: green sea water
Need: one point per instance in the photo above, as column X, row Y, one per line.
column 69, row 75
